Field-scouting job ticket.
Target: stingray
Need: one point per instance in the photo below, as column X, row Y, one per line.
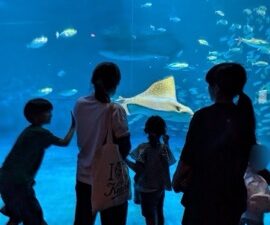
column 158, row 99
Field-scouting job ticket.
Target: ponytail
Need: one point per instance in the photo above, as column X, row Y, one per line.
column 246, row 113
column 100, row 93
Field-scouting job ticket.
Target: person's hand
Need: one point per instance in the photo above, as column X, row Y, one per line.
column 72, row 120
column 165, row 138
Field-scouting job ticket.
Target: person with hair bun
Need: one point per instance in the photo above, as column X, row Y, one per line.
column 216, row 151
column 91, row 113
column 151, row 166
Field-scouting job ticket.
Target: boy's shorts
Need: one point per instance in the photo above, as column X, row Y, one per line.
column 21, row 203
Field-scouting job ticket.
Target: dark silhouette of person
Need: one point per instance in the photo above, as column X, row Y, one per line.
column 152, row 178
column 17, row 174
column 91, row 122
column 216, row 151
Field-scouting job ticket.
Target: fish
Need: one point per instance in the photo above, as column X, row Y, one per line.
column 235, row 26
column 215, row 53
column 69, row 92
column 125, row 46
column 67, row 33
column 38, row 42
column 152, row 27
column 203, row 42
column 43, row 91
column 257, row 83
column 177, row 66
column 129, row 56
column 222, row 22
column 175, row 19
column 260, row 63
column 262, row 96
column 161, row 29
column 61, row 73
column 254, row 42
column 235, row 50
column 247, row 11
column 261, row 10
column 220, row 13
column 147, row 5
column 211, row 57
column 160, row 99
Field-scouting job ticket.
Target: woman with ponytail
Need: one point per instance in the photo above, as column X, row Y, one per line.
column 91, row 125
column 216, row 151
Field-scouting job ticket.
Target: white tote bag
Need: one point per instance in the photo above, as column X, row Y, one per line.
column 111, row 183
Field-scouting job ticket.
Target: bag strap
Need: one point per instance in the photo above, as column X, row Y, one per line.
column 109, row 134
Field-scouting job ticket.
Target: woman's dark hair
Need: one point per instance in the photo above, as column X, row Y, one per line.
column 105, row 78
column 231, row 79
column 36, row 107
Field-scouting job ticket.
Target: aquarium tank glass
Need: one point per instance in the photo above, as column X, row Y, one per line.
column 163, row 48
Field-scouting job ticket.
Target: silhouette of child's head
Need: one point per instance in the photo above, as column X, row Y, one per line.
column 230, row 78
column 38, row 111
column 105, row 78
column 155, row 125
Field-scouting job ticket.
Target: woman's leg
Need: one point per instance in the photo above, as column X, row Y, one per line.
column 83, row 213
column 116, row 215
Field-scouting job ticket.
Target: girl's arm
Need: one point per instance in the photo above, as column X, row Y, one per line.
column 137, row 167
column 124, row 145
column 165, row 139
column 131, row 164
column 167, row 154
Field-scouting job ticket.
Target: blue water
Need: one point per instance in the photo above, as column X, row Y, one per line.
column 144, row 38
